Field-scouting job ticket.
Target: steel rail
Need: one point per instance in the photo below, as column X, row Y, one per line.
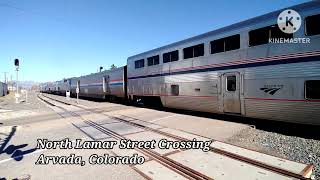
column 167, row 162
column 173, row 165
column 301, row 176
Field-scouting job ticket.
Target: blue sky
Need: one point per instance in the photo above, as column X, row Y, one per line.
column 56, row 39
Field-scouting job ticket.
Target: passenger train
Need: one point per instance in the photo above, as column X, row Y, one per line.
column 233, row 70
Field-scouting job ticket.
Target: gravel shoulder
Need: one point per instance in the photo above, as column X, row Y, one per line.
column 25, row 112
column 290, row 147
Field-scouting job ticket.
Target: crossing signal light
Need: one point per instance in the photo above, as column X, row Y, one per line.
column 16, row 62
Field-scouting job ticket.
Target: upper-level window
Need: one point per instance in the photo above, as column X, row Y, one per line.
column 225, row 44
column 154, row 60
column 193, row 51
column 139, row 63
column 170, row 56
column 262, row 35
column 312, row 25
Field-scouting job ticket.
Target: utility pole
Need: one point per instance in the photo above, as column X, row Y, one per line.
column 5, row 77
column 11, row 83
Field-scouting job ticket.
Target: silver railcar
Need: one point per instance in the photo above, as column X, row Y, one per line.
column 237, row 70
column 48, row 87
column 107, row 84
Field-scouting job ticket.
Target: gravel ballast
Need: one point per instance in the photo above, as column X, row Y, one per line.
column 289, row 147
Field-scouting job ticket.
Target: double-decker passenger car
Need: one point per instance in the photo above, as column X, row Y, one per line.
column 237, row 70
column 48, row 87
column 109, row 84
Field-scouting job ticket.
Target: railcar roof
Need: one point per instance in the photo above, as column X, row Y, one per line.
column 252, row 21
column 105, row 71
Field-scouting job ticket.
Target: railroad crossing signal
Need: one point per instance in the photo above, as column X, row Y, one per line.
column 16, row 62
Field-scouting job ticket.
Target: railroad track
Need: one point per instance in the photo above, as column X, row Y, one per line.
column 64, row 112
column 165, row 161
column 177, row 167
column 169, row 163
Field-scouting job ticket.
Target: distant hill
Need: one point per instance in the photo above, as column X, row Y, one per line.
column 25, row 84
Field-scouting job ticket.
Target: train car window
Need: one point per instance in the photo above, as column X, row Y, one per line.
column 232, row 42
column 217, row 46
column 150, row 61
column 188, row 53
column 259, row 36
column 174, row 55
column 139, row 63
column 193, row 51
column 231, row 83
column 198, row 50
column 170, row 56
column 225, row 44
column 175, row 90
column 312, row 25
column 262, row 35
column 275, row 32
column 312, row 89
column 166, row 57
column 154, row 60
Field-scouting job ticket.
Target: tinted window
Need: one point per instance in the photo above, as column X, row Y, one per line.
column 275, row 32
column 312, row 25
column 259, row 36
column 232, row 42
column 193, row 51
column 262, row 35
column 312, row 89
column 231, row 83
column 154, row 60
column 166, row 57
column 139, row 63
column 174, row 55
column 170, row 56
column 198, row 50
column 188, row 52
column 150, row 61
column 217, row 46
column 225, row 44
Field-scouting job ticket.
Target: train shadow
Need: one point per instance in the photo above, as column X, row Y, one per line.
column 13, row 150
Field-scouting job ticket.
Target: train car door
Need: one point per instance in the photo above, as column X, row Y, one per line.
column 231, row 92
column 105, row 83
column 78, row 87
